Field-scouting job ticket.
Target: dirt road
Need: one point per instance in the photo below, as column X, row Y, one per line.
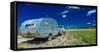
column 64, row 40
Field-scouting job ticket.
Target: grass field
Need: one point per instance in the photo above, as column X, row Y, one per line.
column 71, row 37
column 87, row 36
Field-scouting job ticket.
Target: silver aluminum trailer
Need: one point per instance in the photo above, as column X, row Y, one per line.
column 39, row 28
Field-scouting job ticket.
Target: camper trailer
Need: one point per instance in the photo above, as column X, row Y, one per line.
column 39, row 28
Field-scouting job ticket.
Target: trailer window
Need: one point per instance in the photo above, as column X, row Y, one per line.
column 27, row 25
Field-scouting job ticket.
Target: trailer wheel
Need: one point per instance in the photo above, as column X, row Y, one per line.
column 50, row 36
column 59, row 34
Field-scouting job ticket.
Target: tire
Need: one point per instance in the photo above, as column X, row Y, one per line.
column 59, row 34
column 50, row 36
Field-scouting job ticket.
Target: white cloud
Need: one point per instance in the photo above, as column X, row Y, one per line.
column 89, row 23
column 64, row 16
column 73, row 7
column 64, row 12
column 91, row 12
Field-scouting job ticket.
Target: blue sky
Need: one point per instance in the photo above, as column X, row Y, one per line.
column 65, row 15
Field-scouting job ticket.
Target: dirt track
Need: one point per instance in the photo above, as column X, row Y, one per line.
column 64, row 40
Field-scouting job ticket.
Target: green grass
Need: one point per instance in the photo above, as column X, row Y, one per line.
column 23, row 45
column 86, row 36
column 71, row 37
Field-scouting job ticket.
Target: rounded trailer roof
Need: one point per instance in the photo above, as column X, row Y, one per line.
column 36, row 21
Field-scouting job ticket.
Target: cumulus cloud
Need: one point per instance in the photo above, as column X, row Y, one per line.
column 91, row 12
column 64, row 12
column 89, row 23
column 73, row 7
column 64, row 16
